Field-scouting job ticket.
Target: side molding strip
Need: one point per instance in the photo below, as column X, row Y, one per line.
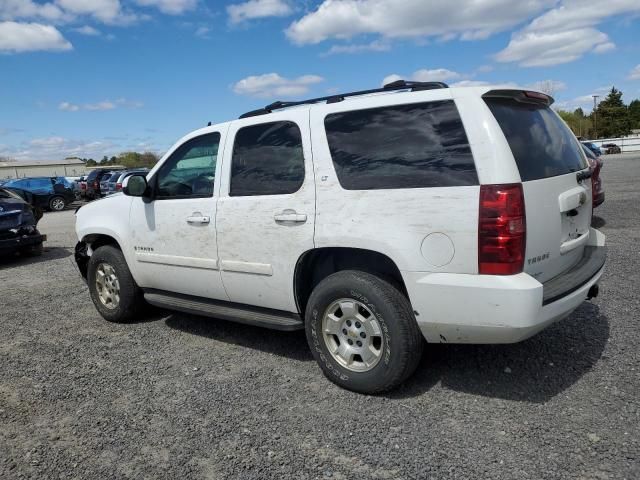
column 193, row 262
column 247, row 267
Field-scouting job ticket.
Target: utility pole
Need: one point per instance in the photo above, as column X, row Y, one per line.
column 595, row 115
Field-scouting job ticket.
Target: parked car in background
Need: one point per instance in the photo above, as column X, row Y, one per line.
column 610, row 148
column 75, row 181
column 50, row 193
column 115, row 181
column 93, row 181
column 82, row 186
column 593, row 148
column 18, row 221
column 104, row 183
column 596, row 163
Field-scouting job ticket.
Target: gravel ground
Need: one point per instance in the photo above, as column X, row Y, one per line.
column 185, row 397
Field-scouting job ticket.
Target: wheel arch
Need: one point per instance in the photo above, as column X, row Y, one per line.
column 316, row 264
column 88, row 245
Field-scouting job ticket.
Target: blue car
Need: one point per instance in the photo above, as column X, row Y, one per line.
column 52, row 193
column 595, row 149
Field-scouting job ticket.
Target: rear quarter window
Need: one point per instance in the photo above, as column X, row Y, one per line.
column 541, row 143
column 402, row 146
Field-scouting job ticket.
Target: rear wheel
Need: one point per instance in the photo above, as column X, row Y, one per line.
column 57, row 204
column 362, row 332
column 112, row 288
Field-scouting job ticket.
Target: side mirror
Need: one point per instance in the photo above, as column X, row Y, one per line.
column 135, row 186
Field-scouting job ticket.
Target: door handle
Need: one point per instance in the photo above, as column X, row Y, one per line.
column 290, row 216
column 197, row 219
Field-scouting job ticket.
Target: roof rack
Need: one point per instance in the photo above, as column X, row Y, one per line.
column 389, row 87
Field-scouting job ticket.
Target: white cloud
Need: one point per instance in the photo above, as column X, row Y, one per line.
column 68, row 107
column 469, row 19
column 100, row 106
column 16, row 9
column 104, row 10
column 565, row 33
column 28, row 37
column 635, row 73
column 425, row 75
column 272, row 85
column 470, row 83
column 241, row 12
column 202, row 32
column 56, row 147
column 88, row 30
column 374, row 46
column 542, row 49
column 584, row 101
column 170, row 7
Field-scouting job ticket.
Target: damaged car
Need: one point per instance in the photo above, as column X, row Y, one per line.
column 18, row 220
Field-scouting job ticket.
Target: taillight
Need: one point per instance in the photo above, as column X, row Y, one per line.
column 502, row 229
column 118, row 186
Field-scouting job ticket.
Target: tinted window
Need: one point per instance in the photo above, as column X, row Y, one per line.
column 404, row 146
column 190, row 171
column 541, row 143
column 267, row 160
column 40, row 183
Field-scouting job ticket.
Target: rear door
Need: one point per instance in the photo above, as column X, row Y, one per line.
column 558, row 203
column 266, row 211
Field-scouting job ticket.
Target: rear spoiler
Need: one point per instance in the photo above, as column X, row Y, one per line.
column 523, row 96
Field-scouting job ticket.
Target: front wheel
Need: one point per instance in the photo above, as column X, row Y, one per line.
column 362, row 332
column 113, row 290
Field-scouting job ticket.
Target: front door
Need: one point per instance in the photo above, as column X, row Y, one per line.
column 174, row 234
column 265, row 217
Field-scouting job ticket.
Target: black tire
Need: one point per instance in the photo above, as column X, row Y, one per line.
column 131, row 301
column 402, row 342
column 57, row 203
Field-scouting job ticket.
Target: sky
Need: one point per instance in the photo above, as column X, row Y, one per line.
column 90, row 78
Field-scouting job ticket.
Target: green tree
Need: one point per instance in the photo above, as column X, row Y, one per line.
column 612, row 116
column 104, row 160
column 580, row 125
column 634, row 114
column 91, row 163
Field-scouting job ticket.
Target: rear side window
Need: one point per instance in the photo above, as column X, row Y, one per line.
column 541, row 143
column 403, row 146
column 267, row 160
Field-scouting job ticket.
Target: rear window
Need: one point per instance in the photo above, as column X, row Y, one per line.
column 541, row 143
column 401, row 146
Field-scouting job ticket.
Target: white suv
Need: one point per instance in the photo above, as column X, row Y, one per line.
column 373, row 220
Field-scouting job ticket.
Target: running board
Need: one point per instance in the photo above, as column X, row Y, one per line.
column 235, row 312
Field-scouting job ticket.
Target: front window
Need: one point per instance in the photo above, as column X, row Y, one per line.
column 190, row 171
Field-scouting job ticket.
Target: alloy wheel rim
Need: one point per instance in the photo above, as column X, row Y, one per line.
column 107, row 286
column 57, row 204
column 353, row 335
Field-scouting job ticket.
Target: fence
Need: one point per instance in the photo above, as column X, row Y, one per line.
column 626, row 144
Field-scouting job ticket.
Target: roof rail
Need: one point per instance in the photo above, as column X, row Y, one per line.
column 389, row 87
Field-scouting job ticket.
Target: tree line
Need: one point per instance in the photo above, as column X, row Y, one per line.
column 126, row 159
column 611, row 118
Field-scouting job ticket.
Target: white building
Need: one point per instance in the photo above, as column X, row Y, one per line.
column 45, row 168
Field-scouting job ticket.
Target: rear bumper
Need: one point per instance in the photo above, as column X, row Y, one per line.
column 461, row 308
